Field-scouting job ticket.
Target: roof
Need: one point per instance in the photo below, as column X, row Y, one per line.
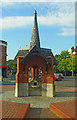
column 21, row 52
column 35, row 51
column 35, row 34
column 43, row 52
column 48, row 52
column 2, row 41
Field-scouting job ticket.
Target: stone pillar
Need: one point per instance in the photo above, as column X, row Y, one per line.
column 50, row 81
column 21, row 89
column 44, row 82
column 17, row 79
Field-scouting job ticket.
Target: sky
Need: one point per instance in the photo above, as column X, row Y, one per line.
column 56, row 24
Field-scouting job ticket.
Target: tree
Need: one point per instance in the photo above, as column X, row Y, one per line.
column 64, row 62
column 62, row 66
column 64, row 54
column 74, row 60
column 11, row 66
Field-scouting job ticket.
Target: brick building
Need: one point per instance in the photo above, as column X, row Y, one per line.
column 3, row 59
column 34, row 58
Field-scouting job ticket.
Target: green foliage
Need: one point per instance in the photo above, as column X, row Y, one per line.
column 74, row 60
column 64, row 54
column 40, row 70
column 55, row 68
column 11, row 66
column 65, row 62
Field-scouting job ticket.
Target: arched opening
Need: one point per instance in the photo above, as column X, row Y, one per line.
column 35, row 80
column 32, row 77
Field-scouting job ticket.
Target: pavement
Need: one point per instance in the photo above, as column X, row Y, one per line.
column 65, row 91
column 14, row 110
column 65, row 109
column 41, row 113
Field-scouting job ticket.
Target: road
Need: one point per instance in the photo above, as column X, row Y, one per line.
column 67, row 82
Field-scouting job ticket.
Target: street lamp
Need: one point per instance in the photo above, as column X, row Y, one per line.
column 70, row 51
column 72, row 66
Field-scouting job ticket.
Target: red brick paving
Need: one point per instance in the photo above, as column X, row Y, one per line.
column 65, row 109
column 70, row 89
column 14, row 110
column 8, row 81
column 19, row 110
column 8, row 87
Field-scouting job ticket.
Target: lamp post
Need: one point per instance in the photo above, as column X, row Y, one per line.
column 72, row 66
column 71, row 52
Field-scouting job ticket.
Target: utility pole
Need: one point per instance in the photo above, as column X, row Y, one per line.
column 72, row 67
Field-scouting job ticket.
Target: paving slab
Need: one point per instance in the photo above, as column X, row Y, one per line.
column 14, row 110
column 65, row 109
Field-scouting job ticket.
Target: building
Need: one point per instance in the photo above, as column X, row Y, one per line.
column 3, row 59
column 73, row 51
column 34, row 58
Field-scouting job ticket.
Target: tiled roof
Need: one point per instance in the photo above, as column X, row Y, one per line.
column 48, row 52
column 43, row 51
column 23, row 53
column 35, row 34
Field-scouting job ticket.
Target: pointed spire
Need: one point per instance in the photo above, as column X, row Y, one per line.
column 35, row 34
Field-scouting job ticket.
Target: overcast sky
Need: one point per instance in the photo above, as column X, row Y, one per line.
column 56, row 23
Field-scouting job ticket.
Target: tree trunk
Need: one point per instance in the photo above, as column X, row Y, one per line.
column 65, row 73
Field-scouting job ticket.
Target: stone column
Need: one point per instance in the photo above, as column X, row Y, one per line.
column 50, row 81
column 44, row 82
column 17, row 79
column 21, row 80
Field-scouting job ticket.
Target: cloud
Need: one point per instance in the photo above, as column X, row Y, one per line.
column 5, row 3
column 68, row 32
column 48, row 20
column 14, row 22
column 59, row 19
column 57, row 14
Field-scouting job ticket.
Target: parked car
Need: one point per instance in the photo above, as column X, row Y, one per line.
column 57, row 76
column 61, row 75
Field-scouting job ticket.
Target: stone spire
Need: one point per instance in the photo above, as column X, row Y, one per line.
column 35, row 34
